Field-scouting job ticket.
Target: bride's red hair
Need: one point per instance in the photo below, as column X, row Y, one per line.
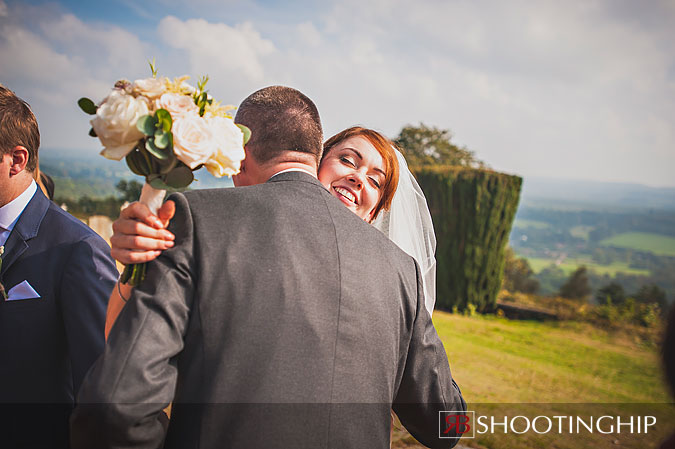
column 383, row 146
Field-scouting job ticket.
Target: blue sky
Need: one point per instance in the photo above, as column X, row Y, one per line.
column 578, row 89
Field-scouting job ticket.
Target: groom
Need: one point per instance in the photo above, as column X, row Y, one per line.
column 278, row 319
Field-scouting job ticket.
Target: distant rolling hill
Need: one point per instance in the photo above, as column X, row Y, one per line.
column 76, row 175
column 593, row 195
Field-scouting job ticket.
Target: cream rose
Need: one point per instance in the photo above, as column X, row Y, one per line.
column 151, row 88
column 115, row 123
column 193, row 141
column 229, row 141
column 177, row 104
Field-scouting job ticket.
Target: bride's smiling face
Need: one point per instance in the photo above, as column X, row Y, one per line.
column 353, row 172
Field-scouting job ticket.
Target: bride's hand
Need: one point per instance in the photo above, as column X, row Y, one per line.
column 140, row 236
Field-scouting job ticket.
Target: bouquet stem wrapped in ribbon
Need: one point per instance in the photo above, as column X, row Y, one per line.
column 166, row 129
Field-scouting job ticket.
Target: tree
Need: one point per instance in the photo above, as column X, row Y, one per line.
column 612, row 293
column 518, row 275
column 651, row 293
column 577, row 285
column 130, row 190
column 423, row 145
column 473, row 212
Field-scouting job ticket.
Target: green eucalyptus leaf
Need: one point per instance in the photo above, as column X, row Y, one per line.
column 164, row 119
column 152, row 149
column 92, row 133
column 131, row 163
column 179, row 177
column 147, row 124
column 162, row 139
column 87, row 105
column 145, row 160
column 157, row 183
column 246, row 131
column 137, row 163
column 168, row 164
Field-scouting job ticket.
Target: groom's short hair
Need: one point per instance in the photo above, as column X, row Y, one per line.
column 18, row 127
column 281, row 119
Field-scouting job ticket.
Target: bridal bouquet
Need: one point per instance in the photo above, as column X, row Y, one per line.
column 165, row 129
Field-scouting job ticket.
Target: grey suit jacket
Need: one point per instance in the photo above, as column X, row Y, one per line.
column 279, row 319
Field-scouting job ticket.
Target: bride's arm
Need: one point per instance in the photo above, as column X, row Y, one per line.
column 138, row 237
column 115, row 305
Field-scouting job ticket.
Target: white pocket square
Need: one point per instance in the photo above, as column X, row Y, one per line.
column 22, row 291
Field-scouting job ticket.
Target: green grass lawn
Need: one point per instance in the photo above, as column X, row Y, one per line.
column 661, row 245
column 499, row 360
column 495, row 360
column 570, row 265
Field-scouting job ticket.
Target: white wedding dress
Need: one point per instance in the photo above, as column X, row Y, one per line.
column 408, row 224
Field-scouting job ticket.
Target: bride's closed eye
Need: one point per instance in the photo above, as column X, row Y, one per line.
column 348, row 161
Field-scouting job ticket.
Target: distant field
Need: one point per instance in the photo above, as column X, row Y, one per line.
column 531, row 224
column 581, row 231
column 570, row 265
column 495, row 360
column 661, row 245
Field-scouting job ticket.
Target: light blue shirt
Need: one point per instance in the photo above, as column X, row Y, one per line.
column 10, row 212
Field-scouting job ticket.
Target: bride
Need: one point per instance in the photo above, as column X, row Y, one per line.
column 359, row 167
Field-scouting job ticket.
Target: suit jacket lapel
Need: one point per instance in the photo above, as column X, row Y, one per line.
column 25, row 229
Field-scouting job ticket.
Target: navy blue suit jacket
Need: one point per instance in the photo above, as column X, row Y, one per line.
column 47, row 344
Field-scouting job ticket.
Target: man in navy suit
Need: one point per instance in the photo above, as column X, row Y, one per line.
column 57, row 276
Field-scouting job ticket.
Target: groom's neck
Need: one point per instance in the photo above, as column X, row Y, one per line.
column 285, row 166
column 254, row 172
column 288, row 160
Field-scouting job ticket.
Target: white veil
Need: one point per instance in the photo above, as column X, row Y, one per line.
column 408, row 224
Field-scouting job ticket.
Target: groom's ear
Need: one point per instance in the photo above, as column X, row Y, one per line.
column 19, row 155
column 238, row 178
column 242, row 178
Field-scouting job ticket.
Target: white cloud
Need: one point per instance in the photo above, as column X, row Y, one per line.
column 3, row 9
column 578, row 89
column 217, row 47
column 103, row 50
column 308, row 34
column 60, row 60
column 567, row 89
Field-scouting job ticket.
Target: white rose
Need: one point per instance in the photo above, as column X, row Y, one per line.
column 188, row 88
column 229, row 141
column 177, row 104
column 193, row 140
column 115, row 123
column 149, row 87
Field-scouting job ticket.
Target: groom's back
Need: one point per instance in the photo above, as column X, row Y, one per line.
column 298, row 306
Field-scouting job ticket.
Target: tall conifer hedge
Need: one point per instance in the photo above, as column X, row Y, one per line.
column 473, row 211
